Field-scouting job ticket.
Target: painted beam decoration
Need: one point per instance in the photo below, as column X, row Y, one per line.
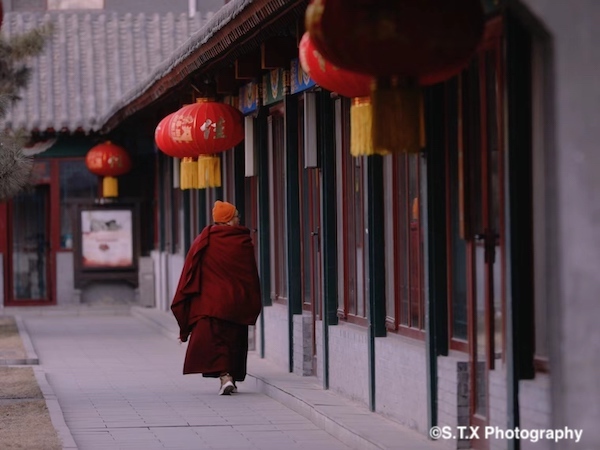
column 274, row 86
column 248, row 99
column 299, row 79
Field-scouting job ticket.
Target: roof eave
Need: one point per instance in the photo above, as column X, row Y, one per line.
column 218, row 38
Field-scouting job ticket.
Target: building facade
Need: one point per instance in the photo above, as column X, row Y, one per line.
column 440, row 288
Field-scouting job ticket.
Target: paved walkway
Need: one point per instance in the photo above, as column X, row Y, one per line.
column 118, row 382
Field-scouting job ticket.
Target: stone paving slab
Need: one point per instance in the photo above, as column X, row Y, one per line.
column 119, row 385
column 350, row 422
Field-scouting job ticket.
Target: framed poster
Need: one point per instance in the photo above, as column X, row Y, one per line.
column 106, row 239
column 106, row 243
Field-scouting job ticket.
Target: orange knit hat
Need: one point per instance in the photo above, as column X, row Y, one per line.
column 223, row 212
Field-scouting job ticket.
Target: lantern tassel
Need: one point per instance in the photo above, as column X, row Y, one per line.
column 188, row 174
column 110, row 187
column 361, row 126
column 209, row 171
column 396, row 117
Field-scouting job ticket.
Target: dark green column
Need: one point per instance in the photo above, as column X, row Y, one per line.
column 376, row 268
column 294, row 240
column 434, row 207
column 329, row 223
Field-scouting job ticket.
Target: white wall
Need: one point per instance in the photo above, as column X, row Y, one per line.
column 348, row 361
column 65, row 279
column 534, row 400
column 573, row 214
column 276, row 335
column 401, row 389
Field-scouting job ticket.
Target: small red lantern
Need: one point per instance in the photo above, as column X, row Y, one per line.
column 201, row 130
column 109, row 161
column 402, row 43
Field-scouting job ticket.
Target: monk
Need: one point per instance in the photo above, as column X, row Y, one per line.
column 217, row 297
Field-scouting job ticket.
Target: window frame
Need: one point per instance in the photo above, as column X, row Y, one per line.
column 400, row 252
column 351, row 178
column 278, row 204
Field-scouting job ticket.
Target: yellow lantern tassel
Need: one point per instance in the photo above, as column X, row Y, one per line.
column 396, row 118
column 110, row 187
column 361, row 124
column 188, row 174
column 216, row 171
column 209, row 171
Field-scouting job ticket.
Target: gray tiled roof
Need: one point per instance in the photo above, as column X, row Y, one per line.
column 93, row 60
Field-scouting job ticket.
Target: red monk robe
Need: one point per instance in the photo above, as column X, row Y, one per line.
column 217, row 297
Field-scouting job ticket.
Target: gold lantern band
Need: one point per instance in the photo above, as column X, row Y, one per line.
column 110, row 187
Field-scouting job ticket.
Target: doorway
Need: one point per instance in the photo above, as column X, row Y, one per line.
column 482, row 92
column 29, row 262
column 310, row 217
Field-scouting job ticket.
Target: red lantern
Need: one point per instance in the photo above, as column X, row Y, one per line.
column 329, row 76
column 188, row 174
column 163, row 139
column 201, row 130
column 403, row 43
column 108, row 160
column 207, row 127
column 403, row 37
column 347, row 83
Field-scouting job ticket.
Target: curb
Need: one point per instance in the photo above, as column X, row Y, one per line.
column 56, row 415
column 305, row 409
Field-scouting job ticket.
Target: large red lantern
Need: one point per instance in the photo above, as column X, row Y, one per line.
column 396, row 38
column 189, row 169
column 201, row 130
column 207, row 127
column 109, row 161
column 346, row 83
column 329, row 76
column 401, row 43
column 163, row 139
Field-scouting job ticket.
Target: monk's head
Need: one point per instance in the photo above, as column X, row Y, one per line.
column 225, row 213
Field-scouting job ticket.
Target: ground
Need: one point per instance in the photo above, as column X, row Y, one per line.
column 22, row 405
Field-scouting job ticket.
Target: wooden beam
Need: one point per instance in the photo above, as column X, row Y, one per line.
column 277, row 52
column 226, row 81
column 247, row 67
